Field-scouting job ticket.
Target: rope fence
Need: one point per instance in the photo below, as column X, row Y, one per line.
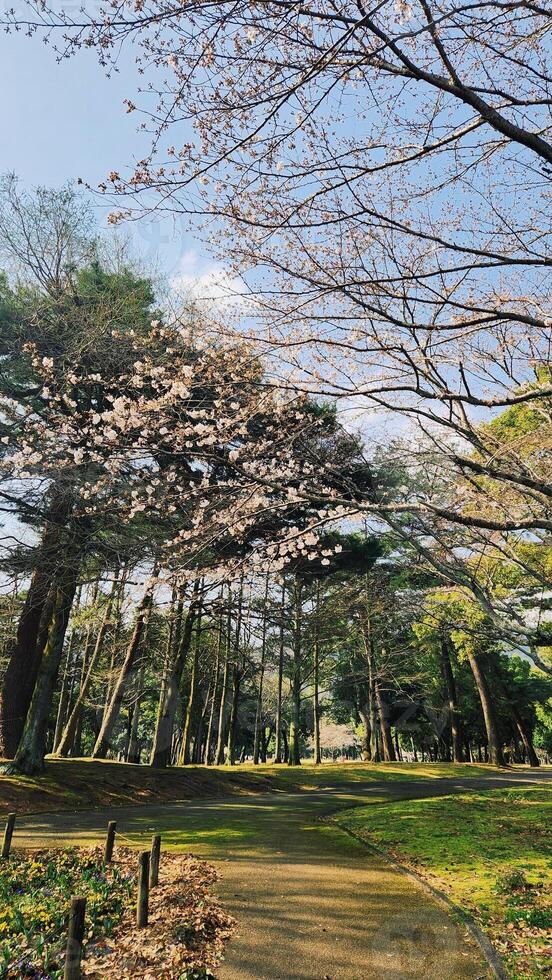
column 147, row 878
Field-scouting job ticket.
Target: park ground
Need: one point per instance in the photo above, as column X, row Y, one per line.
column 490, row 851
column 299, row 872
column 82, row 784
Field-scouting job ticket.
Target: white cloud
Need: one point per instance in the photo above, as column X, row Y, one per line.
column 374, row 424
column 208, row 283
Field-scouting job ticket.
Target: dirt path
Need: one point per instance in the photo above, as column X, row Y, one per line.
column 311, row 903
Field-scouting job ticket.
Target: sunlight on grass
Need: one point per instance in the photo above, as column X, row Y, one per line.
column 85, row 783
column 470, row 845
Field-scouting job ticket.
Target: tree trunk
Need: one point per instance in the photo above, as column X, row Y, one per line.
column 68, row 737
column 166, row 715
column 524, row 733
column 316, row 706
column 236, row 684
column 286, row 745
column 26, row 653
column 67, row 684
column 209, row 736
column 259, row 708
column 111, row 717
column 375, row 754
column 385, row 727
column 278, row 732
column 65, row 696
column 29, row 757
column 452, row 700
column 525, row 736
column 172, row 644
column 487, row 707
column 233, row 719
column 198, row 740
column 75, row 747
column 185, row 756
column 316, row 684
column 266, row 735
column 219, row 751
column 397, row 747
column 294, row 730
column 133, row 750
column 114, row 646
column 372, row 697
column 366, row 735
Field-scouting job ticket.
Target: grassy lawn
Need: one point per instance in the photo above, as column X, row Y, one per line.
column 490, row 851
column 309, row 776
column 82, row 784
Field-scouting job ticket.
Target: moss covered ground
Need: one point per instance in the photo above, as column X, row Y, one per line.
column 490, row 851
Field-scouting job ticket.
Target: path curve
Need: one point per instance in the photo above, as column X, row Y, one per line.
column 310, row 901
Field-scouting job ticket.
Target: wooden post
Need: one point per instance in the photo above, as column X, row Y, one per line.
column 110, row 841
column 8, row 834
column 75, row 936
column 154, row 860
column 143, row 890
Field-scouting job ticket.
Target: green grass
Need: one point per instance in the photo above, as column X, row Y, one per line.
column 467, row 844
column 309, row 776
column 77, row 784
column 490, row 851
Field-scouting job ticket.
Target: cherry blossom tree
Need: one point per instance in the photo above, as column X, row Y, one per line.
column 379, row 177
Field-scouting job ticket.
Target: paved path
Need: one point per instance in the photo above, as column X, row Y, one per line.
column 311, row 903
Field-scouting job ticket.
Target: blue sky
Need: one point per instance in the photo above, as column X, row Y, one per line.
column 64, row 121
